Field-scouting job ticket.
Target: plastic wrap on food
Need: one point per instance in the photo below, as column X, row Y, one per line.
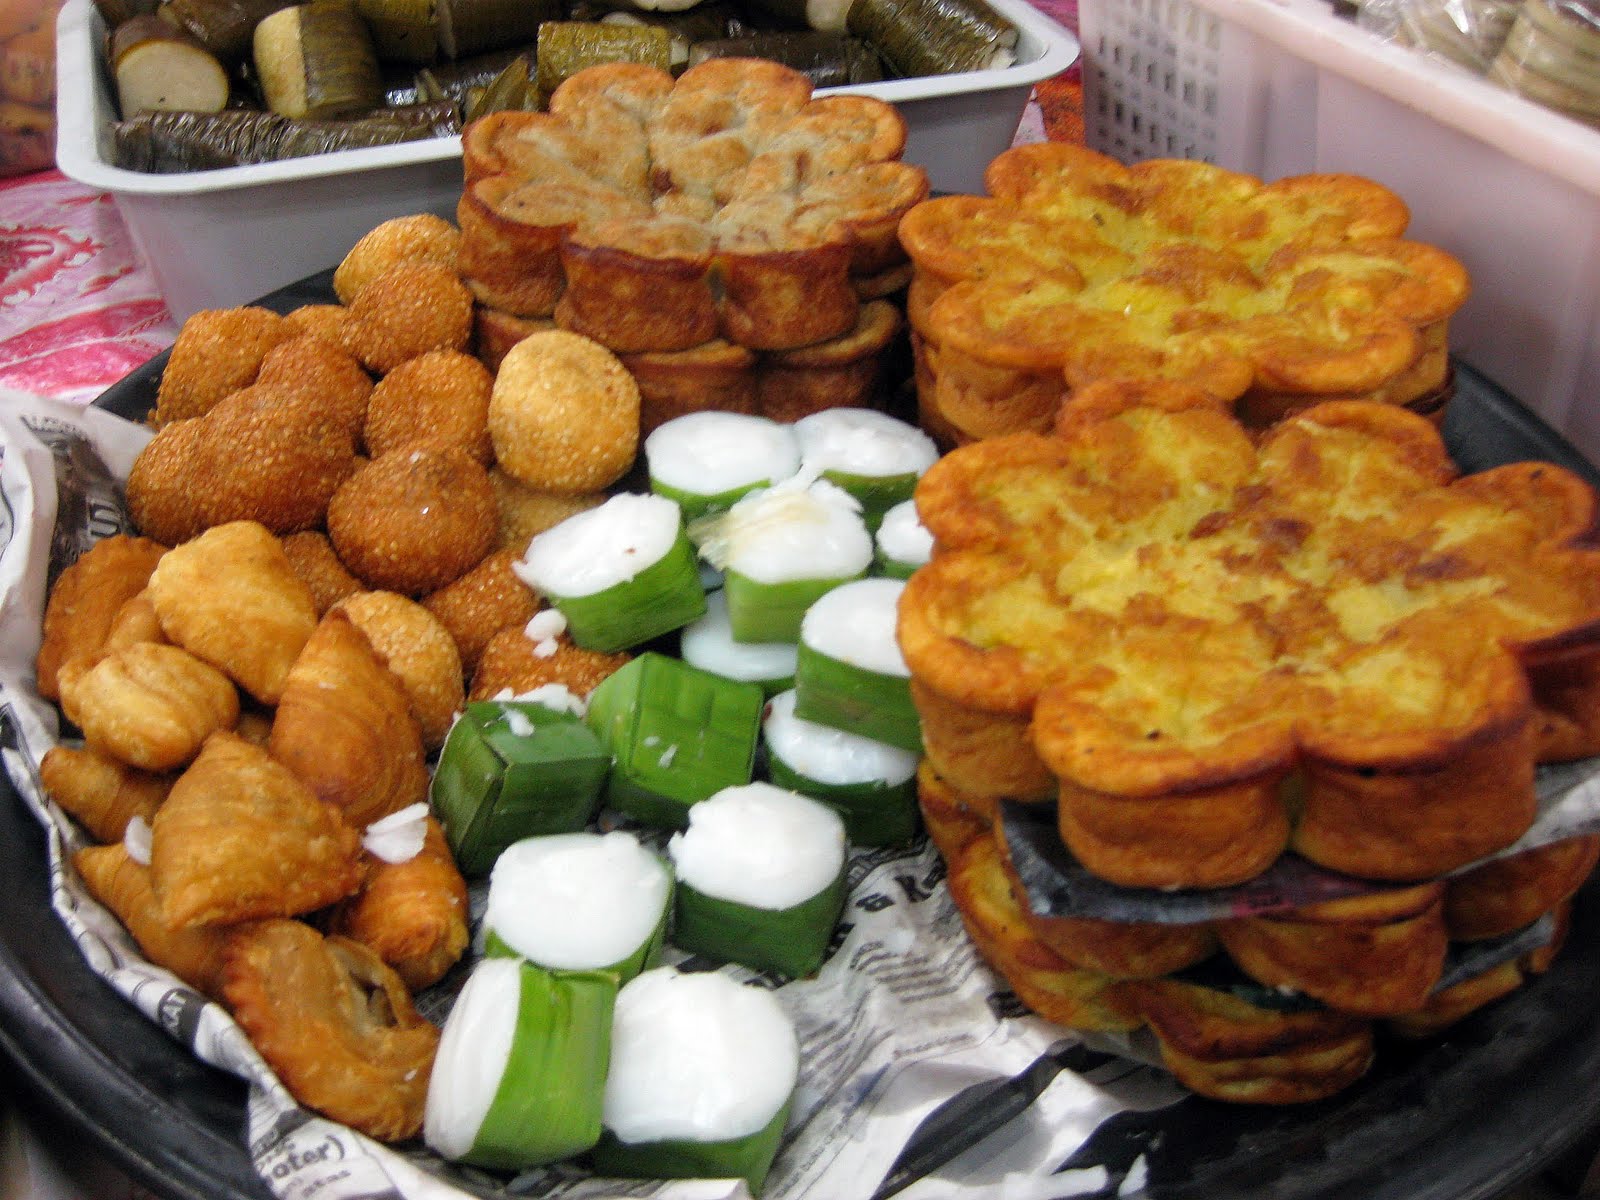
column 1552, row 56
column 171, row 143
column 935, row 37
column 703, row 23
column 456, row 81
column 514, row 88
column 827, row 59
column 472, row 27
column 566, row 47
column 225, row 27
column 403, row 30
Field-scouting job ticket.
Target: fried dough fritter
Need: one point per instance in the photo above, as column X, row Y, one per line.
column 512, row 660
column 136, row 621
column 413, row 520
column 169, row 483
column 314, row 560
column 405, row 311
column 413, row 644
column 564, row 414
column 122, row 884
column 324, row 321
column 397, row 240
column 344, row 726
column 335, row 1024
column 525, row 511
column 85, row 600
column 485, row 600
column 101, row 793
column 436, row 400
column 217, row 352
column 231, row 597
column 149, row 705
column 241, row 836
column 412, row 914
column 325, row 375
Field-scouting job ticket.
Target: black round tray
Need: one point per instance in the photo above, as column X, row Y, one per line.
column 1458, row 1117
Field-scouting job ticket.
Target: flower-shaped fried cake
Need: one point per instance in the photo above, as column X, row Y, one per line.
column 1075, row 268
column 1327, row 641
column 656, row 214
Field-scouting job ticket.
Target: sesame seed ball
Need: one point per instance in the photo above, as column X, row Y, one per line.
column 420, row 651
column 400, row 239
column 564, row 413
column 409, row 309
column 437, row 399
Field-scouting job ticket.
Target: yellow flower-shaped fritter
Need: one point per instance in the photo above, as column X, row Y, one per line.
column 1215, row 650
column 1075, row 268
column 656, row 214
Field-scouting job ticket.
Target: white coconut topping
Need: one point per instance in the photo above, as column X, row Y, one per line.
column 136, row 840
column 903, row 538
column 601, row 547
column 576, row 901
column 557, row 697
column 697, row 1057
column 760, row 845
column 398, row 837
column 708, row 453
column 831, row 755
column 855, row 623
column 545, row 624
column 474, row 1048
column 708, row 644
column 788, row 532
column 863, row 441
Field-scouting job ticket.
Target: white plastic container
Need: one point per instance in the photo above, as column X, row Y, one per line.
column 219, row 238
column 1284, row 87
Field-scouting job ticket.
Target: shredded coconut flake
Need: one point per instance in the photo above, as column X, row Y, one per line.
column 136, row 840
column 398, row 837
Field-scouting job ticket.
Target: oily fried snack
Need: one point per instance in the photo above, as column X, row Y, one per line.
column 982, row 755
column 437, row 400
column 485, row 600
column 169, row 483
column 399, row 239
column 716, row 375
column 1075, row 268
column 1048, row 984
column 1191, row 623
column 323, row 373
column 412, row 914
column 231, row 597
column 136, row 621
column 413, row 520
column 951, row 819
column 122, row 884
column 323, row 321
column 313, row 559
column 654, row 214
column 564, row 414
column 525, row 511
column 240, row 836
column 844, row 372
column 85, row 599
column 335, row 1024
column 513, row 661
column 1376, row 955
column 495, row 331
column 1228, row 1046
column 407, row 310
column 1507, row 893
column 149, row 705
column 344, row 726
column 101, row 793
column 413, row 644
column 217, row 352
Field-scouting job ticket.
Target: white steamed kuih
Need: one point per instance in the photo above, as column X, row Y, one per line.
column 830, row 755
column 787, row 532
column 708, row 453
column 708, row 644
column 698, row 1057
column 855, row 623
column 863, row 441
column 903, row 537
column 600, row 548
column 760, row 845
column 473, row 1050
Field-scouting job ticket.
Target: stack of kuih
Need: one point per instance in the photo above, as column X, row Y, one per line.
column 1210, row 646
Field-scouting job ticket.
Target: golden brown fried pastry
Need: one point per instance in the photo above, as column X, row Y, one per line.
column 150, row 705
column 397, row 240
column 313, row 559
column 85, row 600
column 1376, row 955
column 716, row 375
column 525, row 511
column 485, row 600
column 231, row 597
column 240, row 836
column 494, row 331
column 1226, row 1046
column 334, row 1023
column 437, row 400
column 169, row 483
column 344, row 726
column 412, row 643
column 324, row 321
column 413, row 520
column 846, row 371
column 564, row 414
column 951, row 821
column 255, row 725
column 981, row 754
column 412, row 914
column 322, row 373
column 1507, row 893
column 512, row 660
column 136, row 621
column 101, row 793
column 407, row 310
column 217, row 352
column 123, row 885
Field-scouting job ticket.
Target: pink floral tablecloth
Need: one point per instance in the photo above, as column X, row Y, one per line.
column 78, row 307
